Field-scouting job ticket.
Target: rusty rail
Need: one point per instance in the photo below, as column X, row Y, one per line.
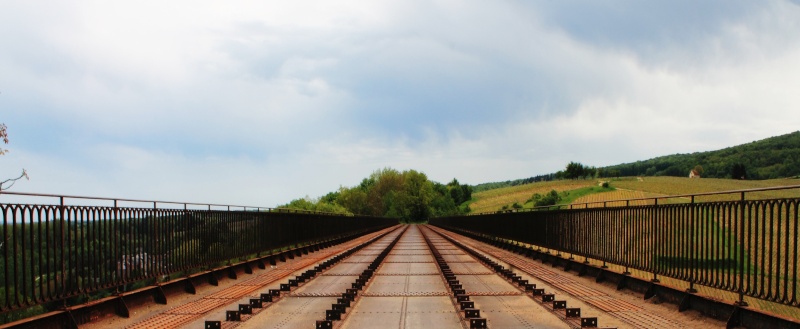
column 749, row 247
column 53, row 252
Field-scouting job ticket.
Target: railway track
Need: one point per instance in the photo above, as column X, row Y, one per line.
column 413, row 276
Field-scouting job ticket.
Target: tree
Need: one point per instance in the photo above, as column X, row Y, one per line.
column 10, row 181
column 574, row 170
column 738, row 171
column 698, row 169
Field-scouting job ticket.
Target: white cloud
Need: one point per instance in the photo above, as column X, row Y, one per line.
column 260, row 103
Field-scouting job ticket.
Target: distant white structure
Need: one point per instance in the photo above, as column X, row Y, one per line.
column 694, row 174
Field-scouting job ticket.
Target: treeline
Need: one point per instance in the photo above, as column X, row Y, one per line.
column 775, row 157
column 494, row 185
column 408, row 196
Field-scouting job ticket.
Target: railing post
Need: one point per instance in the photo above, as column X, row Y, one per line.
column 63, row 247
column 693, row 240
column 654, row 242
column 741, row 301
column 115, row 241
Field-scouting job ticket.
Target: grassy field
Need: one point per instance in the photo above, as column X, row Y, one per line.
column 632, row 188
column 494, row 200
column 684, row 185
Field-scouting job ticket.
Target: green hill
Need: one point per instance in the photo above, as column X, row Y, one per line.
column 774, row 157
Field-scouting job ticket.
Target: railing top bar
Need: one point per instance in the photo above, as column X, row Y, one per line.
column 126, row 200
column 760, row 189
column 270, row 209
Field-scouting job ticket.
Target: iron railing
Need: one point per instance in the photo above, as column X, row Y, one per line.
column 746, row 246
column 51, row 252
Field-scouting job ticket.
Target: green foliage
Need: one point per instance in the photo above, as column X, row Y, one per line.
column 327, row 204
column 547, row 199
column 496, row 185
column 576, row 170
column 738, row 171
column 408, row 196
column 775, row 157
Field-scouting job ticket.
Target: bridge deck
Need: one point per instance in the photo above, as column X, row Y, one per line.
column 409, row 290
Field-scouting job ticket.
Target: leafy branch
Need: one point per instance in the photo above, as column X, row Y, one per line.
column 13, row 180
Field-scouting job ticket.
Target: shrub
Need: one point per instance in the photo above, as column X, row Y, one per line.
column 548, row 199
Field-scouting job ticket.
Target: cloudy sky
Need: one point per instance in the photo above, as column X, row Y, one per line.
column 261, row 102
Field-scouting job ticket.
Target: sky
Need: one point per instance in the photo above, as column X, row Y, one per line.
column 261, row 102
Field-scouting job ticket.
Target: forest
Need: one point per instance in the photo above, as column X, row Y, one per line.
column 775, row 157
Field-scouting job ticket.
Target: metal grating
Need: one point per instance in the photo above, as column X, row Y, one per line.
column 578, row 289
column 406, row 294
column 199, row 306
column 613, row 305
column 165, row 321
column 494, row 293
column 642, row 320
column 233, row 292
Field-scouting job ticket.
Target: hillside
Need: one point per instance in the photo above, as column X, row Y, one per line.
column 774, row 157
column 770, row 158
column 629, row 188
column 495, row 199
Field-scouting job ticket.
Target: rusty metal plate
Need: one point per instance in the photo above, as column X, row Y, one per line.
column 467, row 268
column 463, row 258
column 406, row 284
column 402, row 312
column 516, row 312
column 409, row 259
column 409, row 253
column 451, row 252
column 485, row 283
column 328, row 284
column 291, row 313
column 359, row 259
column 343, row 268
column 407, row 268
